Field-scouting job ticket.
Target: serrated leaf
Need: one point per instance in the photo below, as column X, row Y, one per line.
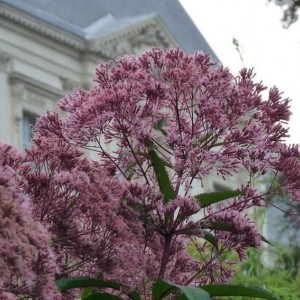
column 162, row 176
column 162, row 289
column 238, row 290
column 82, row 282
column 207, row 199
column 103, row 296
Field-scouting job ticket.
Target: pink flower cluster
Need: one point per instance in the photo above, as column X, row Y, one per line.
column 109, row 217
column 27, row 262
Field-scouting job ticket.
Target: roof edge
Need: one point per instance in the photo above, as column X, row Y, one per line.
column 41, row 27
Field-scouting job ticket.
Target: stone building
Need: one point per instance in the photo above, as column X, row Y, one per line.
column 48, row 47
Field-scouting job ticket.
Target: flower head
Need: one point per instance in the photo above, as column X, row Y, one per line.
column 160, row 126
column 27, row 262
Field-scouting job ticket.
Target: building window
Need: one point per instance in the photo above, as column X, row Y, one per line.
column 29, row 120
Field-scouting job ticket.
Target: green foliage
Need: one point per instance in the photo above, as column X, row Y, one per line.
column 161, row 289
column 97, row 289
column 207, row 199
column 163, row 180
column 81, row 282
column 102, row 296
column 239, row 290
column 211, row 239
column 278, row 278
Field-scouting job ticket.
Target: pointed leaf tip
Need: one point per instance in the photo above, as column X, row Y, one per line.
column 207, row 199
column 238, row 290
column 162, row 176
column 162, row 289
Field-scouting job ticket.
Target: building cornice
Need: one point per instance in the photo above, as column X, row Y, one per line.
column 41, row 28
column 147, row 33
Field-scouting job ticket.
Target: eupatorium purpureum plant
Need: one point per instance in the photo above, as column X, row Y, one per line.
column 109, row 197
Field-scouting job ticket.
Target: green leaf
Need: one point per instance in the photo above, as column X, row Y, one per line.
column 202, row 140
column 211, row 239
column 134, row 296
column 207, row 235
column 162, row 176
column 218, row 225
column 162, row 289
column 82, row 282
column 130, row 166
column 103, row 296
column 238, row 290
column 129, row 170
column 158, row 126
column 166, row 164
column 222, row 226
column 207, row 199
column 87, row 292
column 265, row 240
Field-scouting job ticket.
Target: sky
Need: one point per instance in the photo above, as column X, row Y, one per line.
column 273, row 52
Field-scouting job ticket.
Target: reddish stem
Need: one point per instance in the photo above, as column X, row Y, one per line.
column 166, row 255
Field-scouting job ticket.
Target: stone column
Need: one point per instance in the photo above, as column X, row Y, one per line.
column 6, row 119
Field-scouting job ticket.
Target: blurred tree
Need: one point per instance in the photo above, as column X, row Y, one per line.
column 290, row 11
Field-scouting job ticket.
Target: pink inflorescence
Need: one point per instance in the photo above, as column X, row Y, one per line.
column 27, row 262
column 108, row 217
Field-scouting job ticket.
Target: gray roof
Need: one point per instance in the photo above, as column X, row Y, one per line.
column 78, row 16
